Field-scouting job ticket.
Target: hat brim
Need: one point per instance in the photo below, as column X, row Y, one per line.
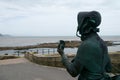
column 93, row 15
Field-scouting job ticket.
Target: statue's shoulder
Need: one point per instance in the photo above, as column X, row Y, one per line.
column 89, row 45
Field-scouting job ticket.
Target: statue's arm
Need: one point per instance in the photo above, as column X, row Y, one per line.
column 73, row 68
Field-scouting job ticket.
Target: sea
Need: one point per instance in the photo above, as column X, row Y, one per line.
column 14, row 41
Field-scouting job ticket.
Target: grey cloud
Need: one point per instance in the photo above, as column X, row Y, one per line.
column 27, row 12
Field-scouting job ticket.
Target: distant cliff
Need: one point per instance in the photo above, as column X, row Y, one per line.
column 1, row 34
column 4, row 35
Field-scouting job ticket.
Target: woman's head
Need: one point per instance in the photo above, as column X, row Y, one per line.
column 88, row 21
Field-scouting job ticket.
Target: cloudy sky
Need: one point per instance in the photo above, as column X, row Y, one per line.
column 55, row 17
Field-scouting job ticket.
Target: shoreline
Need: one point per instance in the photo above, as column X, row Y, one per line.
column 69, row 44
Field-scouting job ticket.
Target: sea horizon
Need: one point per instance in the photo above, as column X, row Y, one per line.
column 12, row 41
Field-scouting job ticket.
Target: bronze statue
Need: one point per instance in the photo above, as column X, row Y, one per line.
column 92, row 61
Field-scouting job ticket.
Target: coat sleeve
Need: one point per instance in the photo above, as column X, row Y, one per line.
column 74, row 67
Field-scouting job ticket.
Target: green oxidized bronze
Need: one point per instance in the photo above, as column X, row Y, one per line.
column 92, row 61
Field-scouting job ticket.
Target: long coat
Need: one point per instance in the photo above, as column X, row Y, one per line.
column 92, row 60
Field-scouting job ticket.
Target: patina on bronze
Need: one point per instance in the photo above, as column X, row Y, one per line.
column 92, row 61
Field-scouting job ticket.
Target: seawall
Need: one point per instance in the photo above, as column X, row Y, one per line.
column 55, row 60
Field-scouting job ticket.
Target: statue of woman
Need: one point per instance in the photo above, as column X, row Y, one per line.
column 92, row 61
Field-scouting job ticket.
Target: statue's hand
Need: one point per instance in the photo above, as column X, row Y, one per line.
column 60, row 51
column 61, row 46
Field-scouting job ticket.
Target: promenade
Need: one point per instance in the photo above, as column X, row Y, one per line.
column 22, row 69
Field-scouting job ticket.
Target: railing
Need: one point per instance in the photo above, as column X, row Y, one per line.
column 37, row 51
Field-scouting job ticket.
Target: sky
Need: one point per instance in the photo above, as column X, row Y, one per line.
column 55, row 17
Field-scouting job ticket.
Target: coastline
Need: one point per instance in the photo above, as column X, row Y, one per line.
column 69, row 44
